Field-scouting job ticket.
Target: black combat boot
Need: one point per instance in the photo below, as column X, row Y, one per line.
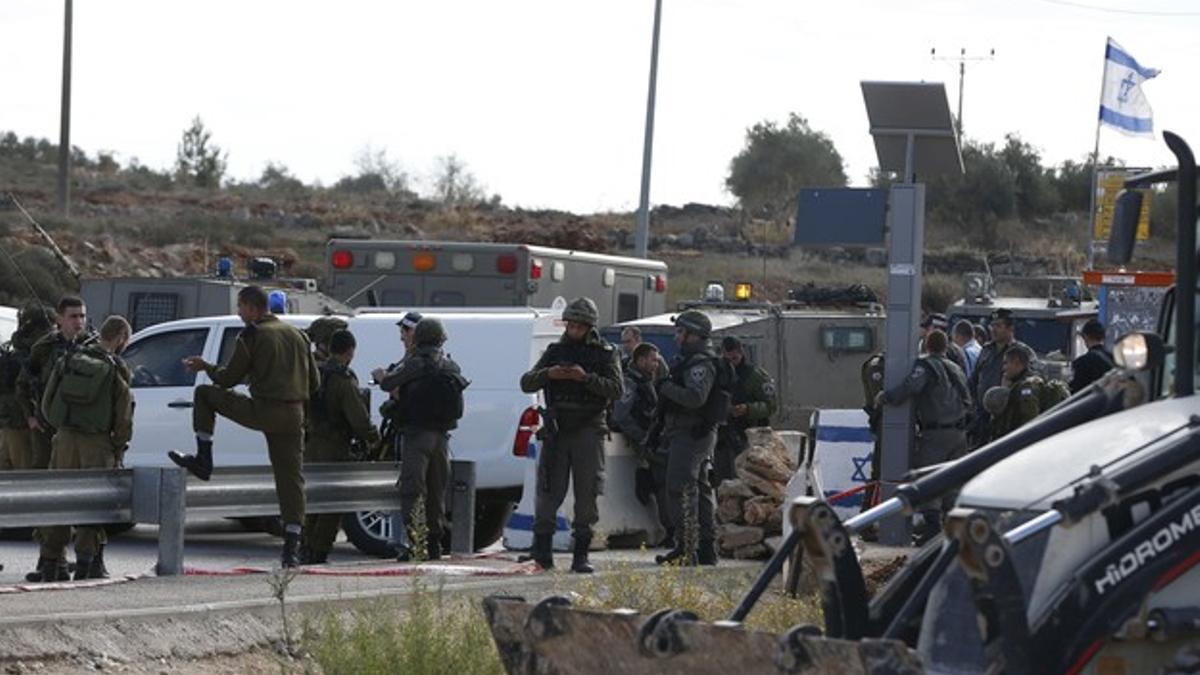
column 542, row 551
column 677, row 556
column 83, row 567
column 291, row 549
column 98, row 570
column 311, row 557
column 707, row 554
column 53, row 569
column 36, row 575
column 200, row 464
column 579, row 561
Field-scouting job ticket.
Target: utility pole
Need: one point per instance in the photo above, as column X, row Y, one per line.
column 64, row 131
column 642, row 240
column 962, row 59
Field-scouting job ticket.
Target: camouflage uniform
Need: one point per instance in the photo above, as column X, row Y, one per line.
column 872, row 383
column 988, row 373
column 338, row 416
column 16, row 438
column 76, row 446
column 425, row 452
column 573, row 436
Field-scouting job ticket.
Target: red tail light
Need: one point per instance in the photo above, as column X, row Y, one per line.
column 526, row 428
column 342, row 260
column 506, row 264
column 535, row 269
column 660, row 283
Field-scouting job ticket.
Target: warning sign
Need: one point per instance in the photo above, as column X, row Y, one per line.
column 1109, row 183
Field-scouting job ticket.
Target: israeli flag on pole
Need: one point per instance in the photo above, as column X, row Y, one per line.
column 1122, row 103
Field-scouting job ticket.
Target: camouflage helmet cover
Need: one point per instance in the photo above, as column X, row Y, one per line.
column 695, row 321
column 995, row 400
column 582, row 310
column 429, row 331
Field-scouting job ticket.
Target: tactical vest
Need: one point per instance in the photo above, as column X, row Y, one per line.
column 717, row 406
column 79, row 394
column 593, row 358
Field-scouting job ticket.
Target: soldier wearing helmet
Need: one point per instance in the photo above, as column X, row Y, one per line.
column 693, row 400
column 1025, row 393
column 428, row 392
column 989, row 370
column 580, row 375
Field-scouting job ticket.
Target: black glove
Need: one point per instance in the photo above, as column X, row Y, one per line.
column 643, row 484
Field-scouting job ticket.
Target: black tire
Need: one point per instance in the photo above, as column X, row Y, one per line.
column 272, row 525
column 369, row 530
column 16, row 533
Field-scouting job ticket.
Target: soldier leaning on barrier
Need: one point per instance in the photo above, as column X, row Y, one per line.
column 71, row 332
column 276, row 359
column 338, row 416
column 693, row 400
column 580, row 374
column 88, row 401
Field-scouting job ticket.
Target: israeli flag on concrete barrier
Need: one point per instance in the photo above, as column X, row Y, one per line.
column 1122, row 103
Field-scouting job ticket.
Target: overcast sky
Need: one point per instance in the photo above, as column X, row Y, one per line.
column 545, row 99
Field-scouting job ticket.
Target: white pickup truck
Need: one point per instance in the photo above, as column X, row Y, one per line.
column 494, row 346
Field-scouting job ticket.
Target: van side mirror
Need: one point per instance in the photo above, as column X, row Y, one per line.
column 1139, row 351
column 1124, row 226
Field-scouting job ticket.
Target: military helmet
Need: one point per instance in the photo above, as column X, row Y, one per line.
column 582, row 310
column 1024, row 352
column 429, row 331
column 995, row 400
column 323, row 328
column 34, row 316
column 696, row 322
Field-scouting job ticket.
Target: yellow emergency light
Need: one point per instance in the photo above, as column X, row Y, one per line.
column 743, row 290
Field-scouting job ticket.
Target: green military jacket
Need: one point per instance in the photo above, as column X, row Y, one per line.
column 12, row 413
column 338, row 415
column 1023, row 405
column 44, row 353
column 756, row 390
column 276, row 359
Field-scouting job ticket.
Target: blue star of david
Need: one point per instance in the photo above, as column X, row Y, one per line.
column 861, row 463
column 1127, row 85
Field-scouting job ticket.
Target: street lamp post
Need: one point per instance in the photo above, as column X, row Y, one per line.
column 642, row 241
column 64, row 132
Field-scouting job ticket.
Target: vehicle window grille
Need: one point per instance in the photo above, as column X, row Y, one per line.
column 148, row 309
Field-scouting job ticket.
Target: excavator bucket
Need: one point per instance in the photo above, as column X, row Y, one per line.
column 552, row 638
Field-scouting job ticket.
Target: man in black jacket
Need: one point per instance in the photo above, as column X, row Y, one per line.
column 1096, row 362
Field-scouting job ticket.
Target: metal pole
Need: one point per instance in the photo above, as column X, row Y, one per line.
column 1091, row 222
column 642, row 242
column 64, row 131
column 962, row 75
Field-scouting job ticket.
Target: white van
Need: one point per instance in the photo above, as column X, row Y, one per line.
column 494, row 346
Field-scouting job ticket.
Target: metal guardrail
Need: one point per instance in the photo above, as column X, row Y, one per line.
column 167, row 497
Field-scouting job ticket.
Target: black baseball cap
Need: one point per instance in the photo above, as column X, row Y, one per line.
column 410, row 320
column 935, row 320
column 1002, row 314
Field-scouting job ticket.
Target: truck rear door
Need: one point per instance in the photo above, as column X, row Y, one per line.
column 627, row 296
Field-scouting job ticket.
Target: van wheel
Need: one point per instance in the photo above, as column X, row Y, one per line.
column 370, row 531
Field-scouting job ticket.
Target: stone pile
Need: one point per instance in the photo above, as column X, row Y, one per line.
column 750, row 507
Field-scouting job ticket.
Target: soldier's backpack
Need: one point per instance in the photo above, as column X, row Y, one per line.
column 79, row 393
column 1052, row 393
column 435, row 400
column 720, row 399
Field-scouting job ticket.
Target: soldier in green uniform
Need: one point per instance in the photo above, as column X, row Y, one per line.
column 16, row 443
column 693, row 402
column 753, row 405
column 321, row 331
column 337, row 416
column 275, row 357
column 580, row 375
column 1024, row 392
column 71, row 333
column 88, row 400
column 428, row 386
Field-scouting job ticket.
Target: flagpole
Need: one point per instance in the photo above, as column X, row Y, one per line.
column 1091, row 222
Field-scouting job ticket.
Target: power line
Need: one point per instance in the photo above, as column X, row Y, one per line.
column 1117, row 10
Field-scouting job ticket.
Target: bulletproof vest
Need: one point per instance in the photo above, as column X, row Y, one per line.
column 593, row 358
column 79, row 394
column 944, row 401
column 720, row 397
column 435, row 399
